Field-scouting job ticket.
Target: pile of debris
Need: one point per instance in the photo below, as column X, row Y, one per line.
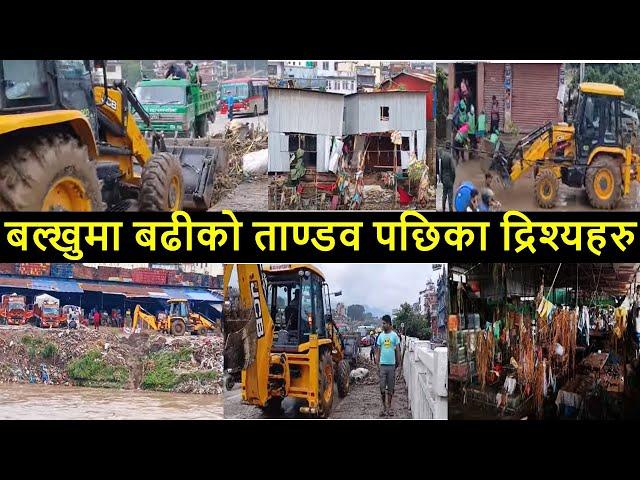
column 108, row 358
column 247, row 151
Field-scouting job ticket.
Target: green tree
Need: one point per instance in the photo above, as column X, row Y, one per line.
column 355, row 312
column 415, row 325
column 624, row 75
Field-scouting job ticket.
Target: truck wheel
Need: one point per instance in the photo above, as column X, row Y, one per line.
column 546, row 188
column 202, row 126
column 342, row 377
column 178, row 327
column 603, row 182
column 51, row 172
column 325, row 385
column 162, row 186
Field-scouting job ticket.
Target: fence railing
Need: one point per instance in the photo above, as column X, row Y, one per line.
column 425, row 372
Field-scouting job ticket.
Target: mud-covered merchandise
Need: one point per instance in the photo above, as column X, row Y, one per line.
column 541, row 341
column 357, row 178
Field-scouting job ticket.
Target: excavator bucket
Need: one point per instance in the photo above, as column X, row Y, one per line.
column 201, row 160
column 240, row 339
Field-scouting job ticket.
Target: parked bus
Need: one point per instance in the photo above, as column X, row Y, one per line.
column 250, row 95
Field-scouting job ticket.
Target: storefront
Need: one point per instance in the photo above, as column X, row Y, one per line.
column 543, row 341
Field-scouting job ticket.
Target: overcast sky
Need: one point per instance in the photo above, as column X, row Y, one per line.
column 382, row 286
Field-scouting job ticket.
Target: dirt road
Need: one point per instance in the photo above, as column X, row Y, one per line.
column 249, row 195
column 520, row 195
column 362, row 402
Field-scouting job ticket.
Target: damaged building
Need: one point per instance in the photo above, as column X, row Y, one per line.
column 317, row 122
column 528, row 94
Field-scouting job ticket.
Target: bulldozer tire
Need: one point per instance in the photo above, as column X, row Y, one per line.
column 603, row 183
column 546, row 188
column 325, row 385
column 178, row 327
column 162, row 185
column 49, row 172
column 342, row 378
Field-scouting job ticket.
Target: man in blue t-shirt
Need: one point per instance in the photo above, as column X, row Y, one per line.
column 230, row 102
column 387, row 359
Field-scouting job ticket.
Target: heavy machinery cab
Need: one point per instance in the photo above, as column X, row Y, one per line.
column 597, row 120
column 179, row 308
column 298, row 299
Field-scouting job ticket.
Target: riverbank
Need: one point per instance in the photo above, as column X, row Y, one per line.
column 110, row 359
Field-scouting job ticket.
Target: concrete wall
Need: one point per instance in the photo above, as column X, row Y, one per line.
column 425, row 371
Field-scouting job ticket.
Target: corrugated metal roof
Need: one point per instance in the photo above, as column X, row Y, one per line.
column 128, row 290
column 56, row 285
column 15, row 282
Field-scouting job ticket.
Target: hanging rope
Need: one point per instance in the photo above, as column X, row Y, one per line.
column 554, row 281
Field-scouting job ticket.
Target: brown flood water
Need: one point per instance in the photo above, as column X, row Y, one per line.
column 57, row 402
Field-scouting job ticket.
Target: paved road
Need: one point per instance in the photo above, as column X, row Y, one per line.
column 221, row 121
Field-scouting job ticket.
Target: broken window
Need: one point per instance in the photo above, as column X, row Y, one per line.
column 308, row 143
column 384, row 113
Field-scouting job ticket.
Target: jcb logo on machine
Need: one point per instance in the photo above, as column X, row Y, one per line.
column 111, row 103
column 257, row 308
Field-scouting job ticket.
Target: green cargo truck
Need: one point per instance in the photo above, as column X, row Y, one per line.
column 176, row 106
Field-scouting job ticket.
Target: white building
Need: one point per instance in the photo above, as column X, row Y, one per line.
column 340, row 75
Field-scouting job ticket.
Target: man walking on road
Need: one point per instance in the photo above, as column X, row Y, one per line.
column 387, row 359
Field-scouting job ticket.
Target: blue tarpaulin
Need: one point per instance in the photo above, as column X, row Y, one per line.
column 193, row 294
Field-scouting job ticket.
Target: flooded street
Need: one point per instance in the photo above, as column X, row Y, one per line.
column 53, row 402
column 520, row 195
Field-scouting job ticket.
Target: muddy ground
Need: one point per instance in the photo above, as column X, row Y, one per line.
column 520, row 194
column 243, row 194
column 362, row 402
column 109, row 358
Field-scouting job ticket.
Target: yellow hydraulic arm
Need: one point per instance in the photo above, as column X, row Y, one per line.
column 252, row 288
column 114, row 110
column 141, row 314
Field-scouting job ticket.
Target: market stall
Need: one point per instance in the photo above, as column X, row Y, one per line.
column 542, row 340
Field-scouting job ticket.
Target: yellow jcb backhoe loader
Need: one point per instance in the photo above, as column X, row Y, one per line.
column 180, row 312
column 180, row 320
column 590, row 152
column 65, row 145
column 281, row 340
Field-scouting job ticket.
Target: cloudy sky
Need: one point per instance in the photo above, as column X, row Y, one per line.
column 382, row 286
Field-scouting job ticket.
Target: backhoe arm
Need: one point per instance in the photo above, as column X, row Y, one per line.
column 140, row 314
column 260, row 329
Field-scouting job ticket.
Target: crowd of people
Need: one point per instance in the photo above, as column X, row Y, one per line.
column 468, row 130
column 108, row 319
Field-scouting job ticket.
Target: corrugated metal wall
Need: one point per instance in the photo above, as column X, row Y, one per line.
column 305, row 112
column 494, row 85
column 407, row 111
column 535, row 88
